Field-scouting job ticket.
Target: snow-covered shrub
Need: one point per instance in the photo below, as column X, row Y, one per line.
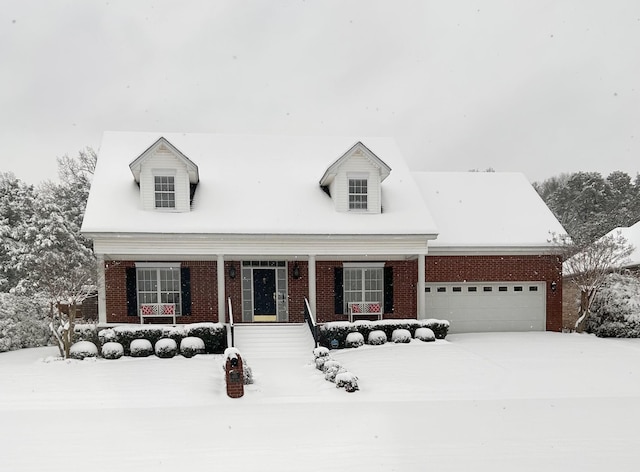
column 166, row 348
column 247, row 374
column 126, row 334
column 320, row 352
column 320, row 361
column 24, row 322
column 86, row 332
column 425, row 334
column 83, row 349
column 401, row 336
column 112, row 350
column 190, row 346
column 377, row 337
column 615, row 311
column 214, row 336
column 334, row 334
column 347, row 380
column 440, row 328
column 331, row 369
column 107, row 336
column 140, row 348
column 364, row 327
column 354, row 340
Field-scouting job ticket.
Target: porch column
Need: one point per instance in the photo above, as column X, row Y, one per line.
column 221, row 299
column 422, row 305
column 312, row 283
column 102, row 291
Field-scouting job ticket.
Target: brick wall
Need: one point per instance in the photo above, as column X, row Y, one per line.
column 503, row 268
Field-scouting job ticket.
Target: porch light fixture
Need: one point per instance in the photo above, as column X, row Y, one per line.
column 296, row 270
column 554, row 285
column 232, row 272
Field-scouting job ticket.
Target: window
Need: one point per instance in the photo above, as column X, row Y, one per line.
column 165, row 191
column 363, row 284
column 357, row 194
column 159, row 286
column 533, row 288
column 442, row 289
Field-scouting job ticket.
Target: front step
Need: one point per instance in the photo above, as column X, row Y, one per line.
column 286, row 341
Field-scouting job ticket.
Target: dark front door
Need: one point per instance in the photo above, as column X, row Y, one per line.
column 264, row 292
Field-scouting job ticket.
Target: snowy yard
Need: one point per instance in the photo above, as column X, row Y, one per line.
column 475, row 402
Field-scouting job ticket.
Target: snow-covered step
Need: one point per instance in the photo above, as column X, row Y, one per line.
column 274, row 340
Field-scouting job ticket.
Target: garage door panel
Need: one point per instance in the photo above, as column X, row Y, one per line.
column 493, row 306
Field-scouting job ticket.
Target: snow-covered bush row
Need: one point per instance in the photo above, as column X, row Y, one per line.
column 334, row 335
column 83, row 349
column 615, row 311
column 335, row 372
column 23, row 322
column 213, row 335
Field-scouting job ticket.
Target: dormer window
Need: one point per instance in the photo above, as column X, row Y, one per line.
column 357, row 193
column 165, row 191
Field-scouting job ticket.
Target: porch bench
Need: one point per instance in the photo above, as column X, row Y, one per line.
column 364, row 309
column 157, row 310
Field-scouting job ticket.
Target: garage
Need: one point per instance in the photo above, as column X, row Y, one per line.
column 488, row 306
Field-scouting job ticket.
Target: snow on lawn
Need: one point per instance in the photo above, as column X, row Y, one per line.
column 475, row 402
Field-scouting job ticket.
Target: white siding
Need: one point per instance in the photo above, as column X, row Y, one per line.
column 163, row 162
column 340, row 187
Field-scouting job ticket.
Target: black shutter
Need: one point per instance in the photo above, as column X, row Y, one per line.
column 388, row 289
column 338, row 291
column 132, row 291
column 185, row 286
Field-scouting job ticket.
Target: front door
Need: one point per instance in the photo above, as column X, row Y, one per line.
column 264, row 295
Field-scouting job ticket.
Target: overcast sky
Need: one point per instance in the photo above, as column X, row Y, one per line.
column 541, row 87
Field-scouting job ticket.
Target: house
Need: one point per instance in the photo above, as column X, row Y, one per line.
column 199, row 227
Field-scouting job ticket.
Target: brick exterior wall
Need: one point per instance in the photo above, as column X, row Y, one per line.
column 204, row 292
column 503, row 268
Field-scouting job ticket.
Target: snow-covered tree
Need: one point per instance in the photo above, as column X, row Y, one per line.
column 588, row 264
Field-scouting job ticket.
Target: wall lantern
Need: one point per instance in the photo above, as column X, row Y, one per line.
column 554, row 285
column 232, row 271
column 296, row 270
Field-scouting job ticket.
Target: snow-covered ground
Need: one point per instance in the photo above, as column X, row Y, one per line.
column 475, row 402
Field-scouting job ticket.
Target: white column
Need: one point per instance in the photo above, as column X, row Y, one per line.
column 422, row 305
column 312, row 283
column 221, row 299
column 102, row 290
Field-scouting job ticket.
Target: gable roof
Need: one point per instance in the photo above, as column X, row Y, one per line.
column 486, row 209
column 356, row 149
column 163, row 143
column 251, row 185
column 632, row 235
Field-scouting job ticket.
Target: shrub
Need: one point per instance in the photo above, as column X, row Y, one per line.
column 214, row 336
column 334, row 334
column 190, row 346
column 425, row 334
column 401, row 336
column 112, row 350
column 141, row 348
column 331, row 369
column 320, row 361
column 83, row 349
column 320, row 352
column 247, row 374
column 86, row 332
column 347, row 380
column 440, row 328
column 24, row 322
column 125, row 335
column 166, row 348
column 364, row 327
column 615, row 311
column 618, row 329
column 107, row 336
column 377, row 338
column 354, row 340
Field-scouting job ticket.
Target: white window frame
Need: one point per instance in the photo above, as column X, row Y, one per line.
column 367, row 293
column 358, row 200
column 164, row 174
column 159, row 287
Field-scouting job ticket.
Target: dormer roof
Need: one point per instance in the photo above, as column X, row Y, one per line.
column 162, row 144
column 360, row 150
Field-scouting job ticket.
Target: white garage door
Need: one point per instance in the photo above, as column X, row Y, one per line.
column 490, row 306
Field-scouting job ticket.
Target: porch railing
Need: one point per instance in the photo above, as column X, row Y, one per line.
column 230, row 333
column 311, row 321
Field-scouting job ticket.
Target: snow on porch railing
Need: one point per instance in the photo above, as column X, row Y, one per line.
column 157, row 310
column 230, row 333
column 311, row 321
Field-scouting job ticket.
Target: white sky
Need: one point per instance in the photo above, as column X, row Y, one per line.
column 541, row 87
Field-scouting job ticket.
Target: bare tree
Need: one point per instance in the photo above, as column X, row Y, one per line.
column 588, row 263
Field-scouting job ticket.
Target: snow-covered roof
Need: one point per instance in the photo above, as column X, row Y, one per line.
column 332, row 170
column 251, row 185
column 162, row 142
column 632, row 235
column 486, row 209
